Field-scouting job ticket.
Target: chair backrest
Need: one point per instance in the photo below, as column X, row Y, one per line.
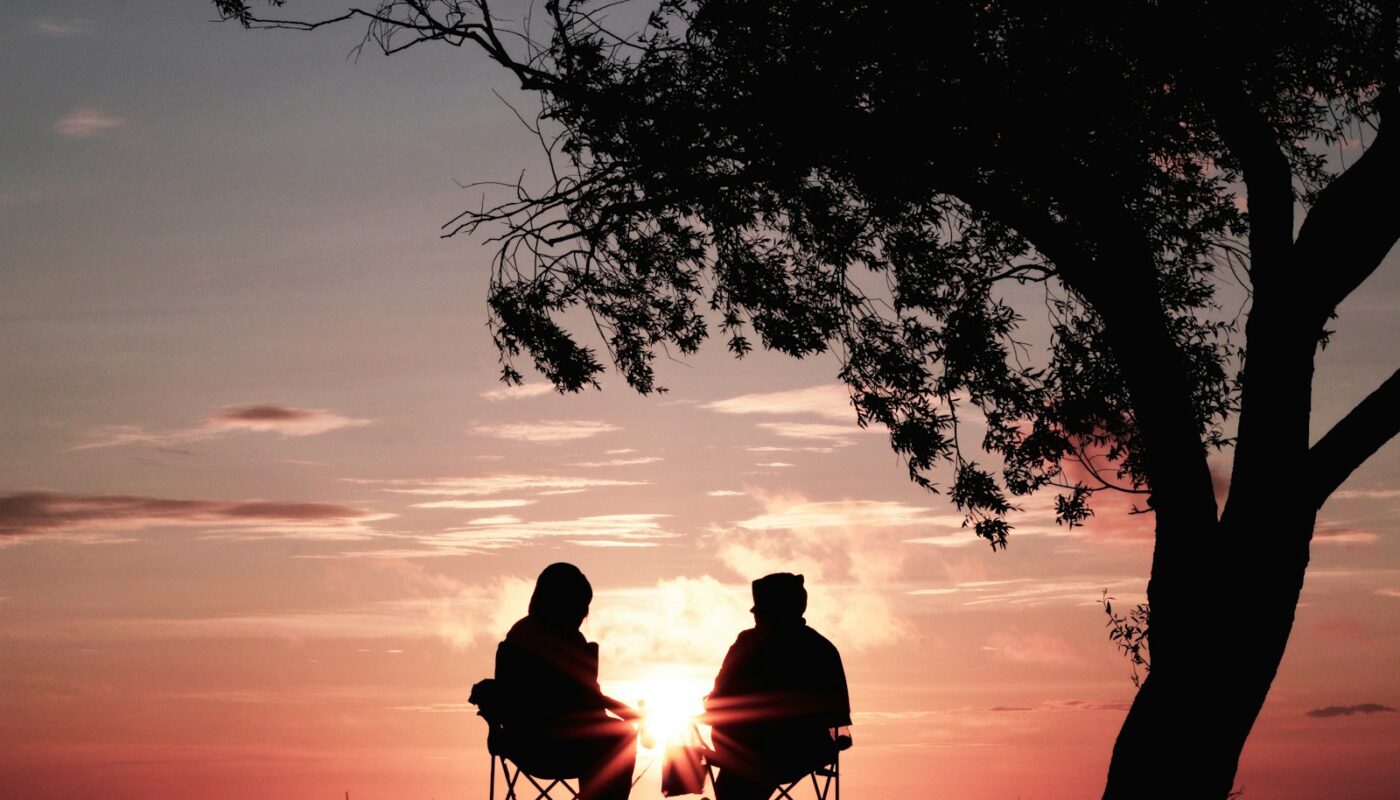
column 490, row 704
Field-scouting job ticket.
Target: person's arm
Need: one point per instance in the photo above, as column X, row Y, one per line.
column 840, row 694
column 621, row 709
column 719, row 703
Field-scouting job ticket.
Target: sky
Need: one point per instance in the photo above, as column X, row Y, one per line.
column 265, row 509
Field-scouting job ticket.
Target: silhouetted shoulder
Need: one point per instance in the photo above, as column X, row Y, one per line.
column 816, row 640
column 527, row 631
column 746, row 637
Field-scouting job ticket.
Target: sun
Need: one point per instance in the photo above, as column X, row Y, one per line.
column 670, row 698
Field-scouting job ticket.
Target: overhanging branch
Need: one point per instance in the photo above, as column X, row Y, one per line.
column 1354, row 439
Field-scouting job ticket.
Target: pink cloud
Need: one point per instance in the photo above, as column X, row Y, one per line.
column 285, row 420
column 259, row 418
column 85, row 123
column 35, row 514
column 830, row 400
column 1347, row 711
column 473, row 505
column 838, row 435
column 546, row 431
column 486, row 485
column 1344, row 536
column 617, row 462
column 519, row 392
column 508, row 532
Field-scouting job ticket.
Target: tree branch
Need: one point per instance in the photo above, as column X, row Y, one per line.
column 1354, row 223
column 1354, row 439
column 1268, row 179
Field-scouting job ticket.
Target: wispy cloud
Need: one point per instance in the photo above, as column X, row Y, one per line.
column 617, row 462
column 606, row 543
column 486, row 485
column 25, row 515
column 1345, row 536
column 58, row 27
column 504, row 519
column 286, row 421
column 1366, row 494
column 1085, row 705
column 504, row 532
column 86, row 122
column 519, row 392
column 793, row 513
column 475, row 505
column 830, row 401
column 726, row 493
column 546, row 431
column 1347, row 711
column 837, row 435
column 951, row 539
column 437, row 708
column 1080, row 591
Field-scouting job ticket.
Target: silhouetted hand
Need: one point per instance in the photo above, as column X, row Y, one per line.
column 621, row 709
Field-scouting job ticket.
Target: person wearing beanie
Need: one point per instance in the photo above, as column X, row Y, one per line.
column 780, row 692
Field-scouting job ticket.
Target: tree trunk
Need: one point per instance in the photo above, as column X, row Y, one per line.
column 1212, row 665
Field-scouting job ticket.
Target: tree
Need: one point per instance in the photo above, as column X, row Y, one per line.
column 869, row 178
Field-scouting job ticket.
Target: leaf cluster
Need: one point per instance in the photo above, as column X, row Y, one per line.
column 876, row 180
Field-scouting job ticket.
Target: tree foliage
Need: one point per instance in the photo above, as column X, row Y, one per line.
column 866, row 178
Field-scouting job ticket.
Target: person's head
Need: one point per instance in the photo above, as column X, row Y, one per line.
column 779, row 597
column 561, row 597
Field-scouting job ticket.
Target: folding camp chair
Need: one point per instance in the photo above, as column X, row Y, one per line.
column 825, row 779
column 488, row 701
column 511, row 773
column 826, row 782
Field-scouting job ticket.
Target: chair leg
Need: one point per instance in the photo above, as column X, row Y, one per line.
column 492, row 796
column 543, row 790
column 510, row 780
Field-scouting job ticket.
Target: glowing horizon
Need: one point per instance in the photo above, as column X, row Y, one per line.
column 266, row 510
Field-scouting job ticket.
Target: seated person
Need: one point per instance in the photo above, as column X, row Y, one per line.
column 554, row 717
column 778, row 695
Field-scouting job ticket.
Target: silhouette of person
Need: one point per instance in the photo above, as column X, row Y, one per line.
column 557, row 723
column 778, row 695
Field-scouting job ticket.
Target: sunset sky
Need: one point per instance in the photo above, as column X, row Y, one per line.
column 265, row 509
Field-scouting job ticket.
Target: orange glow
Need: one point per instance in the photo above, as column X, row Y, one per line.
column 670, row 698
